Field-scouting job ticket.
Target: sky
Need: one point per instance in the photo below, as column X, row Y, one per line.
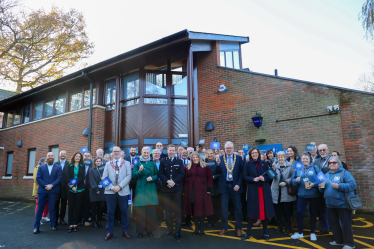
column 315, row 40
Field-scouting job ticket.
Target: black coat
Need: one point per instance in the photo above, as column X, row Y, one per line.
column 94, row 182
column 237, row 174
column 133, row 181
column 214, row 167
column 63, row 181
column 175, row 169
column 249, row 173
column 69, row 174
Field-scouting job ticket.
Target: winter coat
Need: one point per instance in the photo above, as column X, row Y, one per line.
column 94, row 178
column 146, row 192
column 202, row 181
column 302, row 191
column 287, row 178
column 335, row 198
column 214, row 167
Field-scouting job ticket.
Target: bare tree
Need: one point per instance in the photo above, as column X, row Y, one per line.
column 367, row 18
column 365, row 82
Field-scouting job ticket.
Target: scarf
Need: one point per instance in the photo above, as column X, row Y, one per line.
column 144, row 160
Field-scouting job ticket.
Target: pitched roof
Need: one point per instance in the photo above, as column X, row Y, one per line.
column 4, row 94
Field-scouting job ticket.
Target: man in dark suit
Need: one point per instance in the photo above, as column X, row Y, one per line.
column 86, row 193
column 62, row 196
column 171, row 173
column 49, row 178
column 230, row 186
column 133, row 181
column 160, row 146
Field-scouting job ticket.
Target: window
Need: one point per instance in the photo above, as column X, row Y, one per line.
column 87, row 96
column 230, row 59
column 17, row 117
column 179, row 101
column 38, row 111
column 55, row 151
column 32, row 158
column 180, row 85
column 155, row 101
column 9, row 119
column 155, row 83
column 48, row 108
column 1, row 119
column 60, row 105
column 131, row 102
column 26, row 114
column 9, row 164
column 76, row 100
column 110, row 92
column 131, row 86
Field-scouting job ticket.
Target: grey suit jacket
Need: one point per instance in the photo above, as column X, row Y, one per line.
column 124, row 178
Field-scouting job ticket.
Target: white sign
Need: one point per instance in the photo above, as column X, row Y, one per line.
column 183, row 135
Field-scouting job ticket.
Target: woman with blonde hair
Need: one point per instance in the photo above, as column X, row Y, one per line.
column 35, row 190
column 198, row 184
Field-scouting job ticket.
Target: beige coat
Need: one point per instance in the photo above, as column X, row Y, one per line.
column 36, row 184
column 124, row 178
column 287, row 175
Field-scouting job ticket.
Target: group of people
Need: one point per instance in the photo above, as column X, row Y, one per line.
column 192, row 184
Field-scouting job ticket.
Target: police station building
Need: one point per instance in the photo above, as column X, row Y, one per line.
column 167, row 91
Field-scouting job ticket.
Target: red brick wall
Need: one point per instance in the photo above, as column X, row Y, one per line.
column 278, row 99
column 64, row 131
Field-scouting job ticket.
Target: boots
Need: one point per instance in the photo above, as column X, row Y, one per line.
column 99, row 224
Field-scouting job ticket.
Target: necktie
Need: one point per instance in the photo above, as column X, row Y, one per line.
column 230, row 167
column 117, row 172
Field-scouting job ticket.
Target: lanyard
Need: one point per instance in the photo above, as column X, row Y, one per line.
column 306, row 174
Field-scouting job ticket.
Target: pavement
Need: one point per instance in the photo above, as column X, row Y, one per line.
column 17, row 218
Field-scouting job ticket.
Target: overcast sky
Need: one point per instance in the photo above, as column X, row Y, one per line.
column 315, row 40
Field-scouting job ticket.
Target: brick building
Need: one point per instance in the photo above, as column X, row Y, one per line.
column 167, row 91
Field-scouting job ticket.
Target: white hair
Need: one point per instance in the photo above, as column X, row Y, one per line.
column 146, row 148
column 190, row 148
column 229, row 143
column 99, row 150
column 281, row 153
column 323, row 145
column 155, row 150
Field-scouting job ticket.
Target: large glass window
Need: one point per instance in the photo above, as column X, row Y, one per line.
column 236, row 59
column 131, row 86
column 32, row 158
column 60, row 105
column 230, row 59
column 131, row 102
column 155, row 101
column 87, row 96
column 179, row 101
column 55, row 151
column 26, row 114
column 180, row 85
column 48, row 108
column 110, row 92
column 38, row 111
column 155, row 83
column 9, row 163
column 9, row 119
column 76, row 100
column 229, row 62
column 1, row 119
column 222, row 59
column 17, row 117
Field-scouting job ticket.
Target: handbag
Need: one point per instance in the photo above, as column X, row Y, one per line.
column 291, row 190
column 353, row 202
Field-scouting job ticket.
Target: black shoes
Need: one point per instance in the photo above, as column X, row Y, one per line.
column 140, row 235
column 287, row 232
column 167, row 233
column 95, row 225
column 323, row 232
column 195, row 233
column 202, row 234
column 266, row 237
column 245, row 236
column 70, row 229
column 75, row 229
column 177, row 236
column 279, row 230
column 150, row 234
column 54, row 228
column 36, row 230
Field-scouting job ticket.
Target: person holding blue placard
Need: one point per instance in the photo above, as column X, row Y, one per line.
column 74, row 191
column 281, row 199
column 339, row 183
column 97, row 196
column 259, row 200
column 304, row 180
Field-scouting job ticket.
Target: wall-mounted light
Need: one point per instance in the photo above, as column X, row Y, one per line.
column 260, row 140
column 257, row 120
column 19, row 144
column 222, row 88
column 86, row 132
column 209, row 126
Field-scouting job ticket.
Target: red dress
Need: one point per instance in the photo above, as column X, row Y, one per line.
column 260, row 202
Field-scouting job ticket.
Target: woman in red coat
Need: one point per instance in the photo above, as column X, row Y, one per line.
column 198, row 184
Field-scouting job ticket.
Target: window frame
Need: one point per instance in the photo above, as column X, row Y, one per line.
column 28, row 162
column 7, row 161
column 53, row 147
column 233, row 62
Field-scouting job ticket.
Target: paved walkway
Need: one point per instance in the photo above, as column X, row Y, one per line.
column 16, row 225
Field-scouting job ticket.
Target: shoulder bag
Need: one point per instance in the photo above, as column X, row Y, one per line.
column 353, row 202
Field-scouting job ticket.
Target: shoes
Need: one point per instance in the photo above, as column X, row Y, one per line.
column 239, row 233
column 177, row 236
column 75, row 229
column 140, row 235
column 323, row 232
column 41, row 223
column 94, row 224
column 189, row 223
column 245, row 236
column 62, row 222
column 46, row 219
column 347, row 247
column 258, row 223
column 36, row 230
column 149, row 234
column 313, row 237
column 195, row 233
column 108, row 236
column 167, row 233
column 279, row 230
column 223, row 232
column 99, row 224
column 297, row 236
column 87, row 224
column 287, row 232
column 335, row 244
column 70, row 229
column 266, row 236
column 126, row 235
column 54, row 228
column 202, row 234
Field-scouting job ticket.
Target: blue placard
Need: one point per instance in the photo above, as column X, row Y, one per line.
column 271, row 173
column 84, row 150
column 245, row 147
column 183, row 143
column 215, row 145
column 202, row 141
column 88, row 162
column 320, row 177
column 298, row 165
column 285, row 152
column 135, row 162
column 73, row 181
column 310, row 147
column 105, row 182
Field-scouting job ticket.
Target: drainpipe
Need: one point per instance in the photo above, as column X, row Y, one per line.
column 90, row 112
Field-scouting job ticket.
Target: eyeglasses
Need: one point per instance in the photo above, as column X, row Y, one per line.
column 229, row 148
column 116, row 150
column 333, row 163
column 322, row 150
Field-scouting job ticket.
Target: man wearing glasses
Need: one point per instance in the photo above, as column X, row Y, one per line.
column 119, row 172
column 230, row 186
column 322, row 163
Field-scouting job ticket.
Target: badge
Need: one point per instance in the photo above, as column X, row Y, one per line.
column 99, row 186
column 230, row 176
column 117, row 172
column 306, row 179
column 176, row 165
